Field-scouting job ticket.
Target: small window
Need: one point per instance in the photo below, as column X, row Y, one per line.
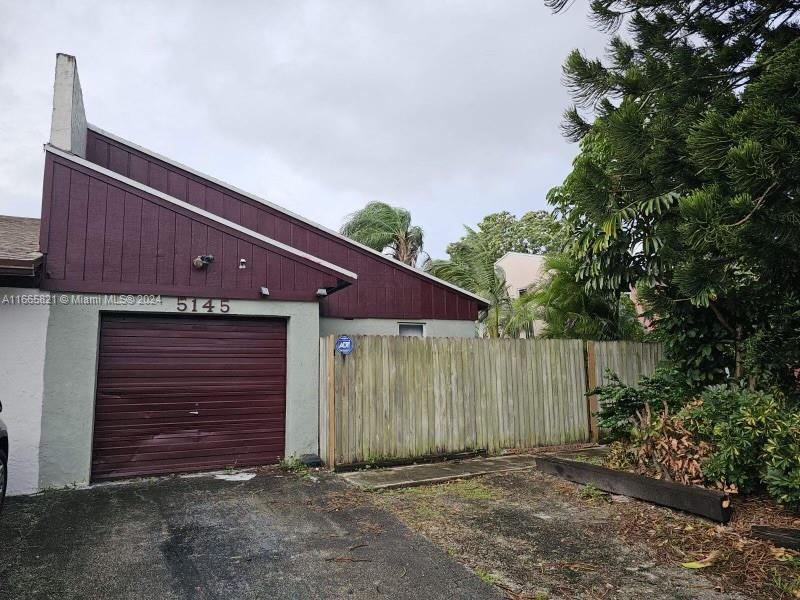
column 412, row 329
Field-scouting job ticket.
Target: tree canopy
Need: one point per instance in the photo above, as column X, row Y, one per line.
column 686, row 185
column 498, row 233
column 383, row 227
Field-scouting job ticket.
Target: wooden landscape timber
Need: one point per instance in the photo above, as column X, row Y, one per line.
column 780, row 536
column 707, row 503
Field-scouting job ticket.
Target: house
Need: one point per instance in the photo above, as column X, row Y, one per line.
column 522, row 271
column 166, row 321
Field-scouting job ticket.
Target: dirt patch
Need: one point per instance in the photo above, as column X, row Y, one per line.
column 544, row 538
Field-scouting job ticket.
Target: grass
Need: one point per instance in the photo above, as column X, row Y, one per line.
column 468, row 489
column 589, row 492
column 291, row 464
column 486, row 576
column 592, row 460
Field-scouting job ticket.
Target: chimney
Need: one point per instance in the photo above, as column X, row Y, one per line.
column 68, row 124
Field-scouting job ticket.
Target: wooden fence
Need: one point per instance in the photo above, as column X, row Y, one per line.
column 629, row 360
column 401, row 397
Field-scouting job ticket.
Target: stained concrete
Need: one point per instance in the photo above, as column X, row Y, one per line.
column 276, row 535
column 413, row 475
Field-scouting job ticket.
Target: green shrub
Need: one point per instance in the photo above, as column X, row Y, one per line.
column 619, row 403
column 756, row 440
column 782, row 449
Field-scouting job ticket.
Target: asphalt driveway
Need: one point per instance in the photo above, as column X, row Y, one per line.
column 275, row 536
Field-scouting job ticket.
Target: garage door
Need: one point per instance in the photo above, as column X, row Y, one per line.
column 179, row 393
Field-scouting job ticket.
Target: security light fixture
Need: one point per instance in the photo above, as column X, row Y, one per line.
column 322, row 292
column 242, row 263
column 265, row 291
column 202, row 261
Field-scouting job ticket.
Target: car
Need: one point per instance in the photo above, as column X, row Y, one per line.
column 3, row 460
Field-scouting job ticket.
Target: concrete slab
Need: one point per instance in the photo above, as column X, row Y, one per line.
column 585, row 454
column 202, row 538
column 412, row 475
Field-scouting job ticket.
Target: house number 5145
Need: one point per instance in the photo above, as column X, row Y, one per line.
column 197, row 305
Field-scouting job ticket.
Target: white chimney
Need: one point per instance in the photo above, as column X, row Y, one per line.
column 68, row 124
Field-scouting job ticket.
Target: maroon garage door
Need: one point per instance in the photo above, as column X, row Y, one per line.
column 179, row 393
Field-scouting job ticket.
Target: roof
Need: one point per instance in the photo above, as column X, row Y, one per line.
column 285, row 211
column 19, row 241
column 323, row 264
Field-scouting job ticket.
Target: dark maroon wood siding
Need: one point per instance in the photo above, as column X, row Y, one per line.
column 181, row 393
column 383, row 290
column 100, row 235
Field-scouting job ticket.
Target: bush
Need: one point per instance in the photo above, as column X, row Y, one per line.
column 743, row 439
column 619, row 403
column 755, row 438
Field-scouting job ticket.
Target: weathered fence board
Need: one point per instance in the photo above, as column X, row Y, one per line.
column 629, row 360
column 400, row 397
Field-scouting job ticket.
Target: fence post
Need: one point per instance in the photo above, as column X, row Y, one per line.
column 591, row 381
column 330, row 397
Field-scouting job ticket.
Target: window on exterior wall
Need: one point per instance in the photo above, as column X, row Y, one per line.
column 412, row 329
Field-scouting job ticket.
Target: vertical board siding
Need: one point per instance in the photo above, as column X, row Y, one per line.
column 398, row 397
column 103, row 236
column 383, row 290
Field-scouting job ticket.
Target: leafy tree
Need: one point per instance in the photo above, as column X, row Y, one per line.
column 570, row 310
column 473, row 268
column 498, row 233
column 383, row 227
column 686, row 185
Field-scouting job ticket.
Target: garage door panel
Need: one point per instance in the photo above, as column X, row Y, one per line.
column 132, row 441
column 193, row 443
column 141, row 436
column 159, row 414
column 250, row 401
column 188, row 393
column 122, row 331
column 185, row 465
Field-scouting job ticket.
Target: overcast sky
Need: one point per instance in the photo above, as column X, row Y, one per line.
column 450, row 109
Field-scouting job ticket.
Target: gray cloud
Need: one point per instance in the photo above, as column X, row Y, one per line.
column 450, row 109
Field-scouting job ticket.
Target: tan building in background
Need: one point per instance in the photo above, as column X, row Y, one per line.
column 522, row 272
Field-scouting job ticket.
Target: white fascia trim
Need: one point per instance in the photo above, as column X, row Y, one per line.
column 281, row 209
column 199, row 211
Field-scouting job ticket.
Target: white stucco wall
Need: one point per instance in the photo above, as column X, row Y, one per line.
column 68, row 121
column 23, row 333
column 432, row 327
column 70, row 374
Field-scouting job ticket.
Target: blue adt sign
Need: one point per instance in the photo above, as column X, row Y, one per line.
column 344, row 344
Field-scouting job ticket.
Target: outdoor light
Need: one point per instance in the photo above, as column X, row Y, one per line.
column 202, row 261
column 242, row 263
column 322, row 292
column 265, row 291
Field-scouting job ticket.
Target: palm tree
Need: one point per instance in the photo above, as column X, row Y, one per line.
column 473, row 269
column 383, row 227
column 570, row 311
